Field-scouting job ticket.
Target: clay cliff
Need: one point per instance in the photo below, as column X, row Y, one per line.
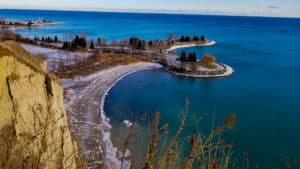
column 34, row 130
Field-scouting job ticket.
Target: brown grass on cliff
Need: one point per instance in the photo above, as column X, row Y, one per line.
column 34, row 133
column 14, row 49
column 4, row 52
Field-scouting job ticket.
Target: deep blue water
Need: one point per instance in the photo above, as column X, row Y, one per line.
column 264, row 91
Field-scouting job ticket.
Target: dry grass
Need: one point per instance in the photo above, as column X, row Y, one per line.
column 206, row 151
column 4, row 52
column 14, row 49
column 96, row 62
column 7, row 35
column 31, row 150
column 208, row 61
column 111, row 59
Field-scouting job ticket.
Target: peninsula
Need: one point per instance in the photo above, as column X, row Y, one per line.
column 8, row 24
column 188, row 64
column 61, row 54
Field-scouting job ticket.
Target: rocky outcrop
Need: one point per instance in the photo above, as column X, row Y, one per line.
column 34, row 130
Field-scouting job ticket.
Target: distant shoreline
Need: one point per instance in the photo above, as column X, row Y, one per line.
column 135, row 11
column 35, row 26
column 12, row 24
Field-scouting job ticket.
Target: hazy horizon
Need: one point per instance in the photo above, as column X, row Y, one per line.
column 289, row 8
column 153, row 12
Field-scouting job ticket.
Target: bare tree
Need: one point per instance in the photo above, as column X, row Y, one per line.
column 171, row 36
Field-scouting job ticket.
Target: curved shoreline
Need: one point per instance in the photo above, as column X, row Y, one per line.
column 229, row 71
column 88, row 121
column 106, row 120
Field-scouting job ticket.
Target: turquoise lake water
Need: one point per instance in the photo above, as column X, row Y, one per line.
column 264, row 92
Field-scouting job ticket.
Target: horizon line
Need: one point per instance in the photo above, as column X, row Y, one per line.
column 150, row 11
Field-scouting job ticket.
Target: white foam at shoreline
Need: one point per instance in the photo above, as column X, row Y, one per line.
column 108, row 79
column 111, row 151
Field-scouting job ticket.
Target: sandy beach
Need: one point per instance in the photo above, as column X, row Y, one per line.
column 85, row 98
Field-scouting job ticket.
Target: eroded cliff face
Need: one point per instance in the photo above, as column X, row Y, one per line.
column 34, row 131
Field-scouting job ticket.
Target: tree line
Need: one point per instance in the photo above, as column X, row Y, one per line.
column 77, row 42
column 190, row 57
column 137, row 43
column 207, row 60
column 194, row 38
column 80, row 41
column 47, row 39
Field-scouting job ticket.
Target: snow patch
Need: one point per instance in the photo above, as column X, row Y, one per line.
column 127, row 123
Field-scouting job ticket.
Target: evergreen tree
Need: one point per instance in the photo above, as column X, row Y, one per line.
column 195, row 38
column 75, row 42
column 202, row 38
column 48, row 39
column 182, row 39
column 193, row 57
column 36, row 38
column 66, row 45
column 79, row 42
column 183, row 57
column 189, row 58
column 29, row 23
column 55, row 39
column 137, row 43
column 187, row 39
column 92, row 45
column 150, row 44
column 82, row 42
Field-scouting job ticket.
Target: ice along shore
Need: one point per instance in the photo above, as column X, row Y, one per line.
column 85, row 98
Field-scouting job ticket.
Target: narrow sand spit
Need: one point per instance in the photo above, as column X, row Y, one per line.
column 210, row 43
column 85, row 97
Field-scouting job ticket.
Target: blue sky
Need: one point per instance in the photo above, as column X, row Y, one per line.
column 232, row 7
